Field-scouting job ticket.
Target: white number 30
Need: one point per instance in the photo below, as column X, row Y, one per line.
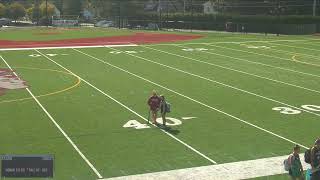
column 286, row 110
column 311, row 108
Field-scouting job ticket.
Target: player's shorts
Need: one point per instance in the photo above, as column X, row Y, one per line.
column 154, row 110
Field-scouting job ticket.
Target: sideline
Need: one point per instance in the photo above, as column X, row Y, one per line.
column 228, row 171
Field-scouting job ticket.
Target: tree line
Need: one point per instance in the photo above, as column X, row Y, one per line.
column 31, row 10
column 38, row 9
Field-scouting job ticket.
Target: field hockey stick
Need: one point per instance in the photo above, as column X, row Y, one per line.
column 315, row 169
column 149, row 116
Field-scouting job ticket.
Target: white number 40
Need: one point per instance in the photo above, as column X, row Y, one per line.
column 135, row 124
column 288, row 110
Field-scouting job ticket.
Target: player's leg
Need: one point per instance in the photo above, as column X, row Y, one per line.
column 154, row 116
column 164, row 120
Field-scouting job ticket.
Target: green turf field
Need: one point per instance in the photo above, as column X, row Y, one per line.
column 230, row 102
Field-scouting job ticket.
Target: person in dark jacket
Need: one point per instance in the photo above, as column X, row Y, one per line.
column 315, row 161
column 163, row 109
column 296, row 169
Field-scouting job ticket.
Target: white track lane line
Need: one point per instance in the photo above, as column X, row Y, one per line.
column 67, row 47
column 310, row 43
column 231, row 69
column 194, row 100
column 230, row 42
column 297, row 46
column 58, row 126
column 275, row 57
column 129, row 109
column 217, row 82
column 87, row 45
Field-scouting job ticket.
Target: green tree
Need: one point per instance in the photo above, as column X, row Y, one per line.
column 2, row 10
column 101, row 8
column 59, row 5
column 50, row 9
column 112, row 8
column 30, row 13
column 131, row 7
column 16, row 11
column 36, row 11
column 72, row 7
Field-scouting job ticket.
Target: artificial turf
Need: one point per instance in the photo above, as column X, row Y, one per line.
column 195, row 78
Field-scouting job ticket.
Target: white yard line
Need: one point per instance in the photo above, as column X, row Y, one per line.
column 296, row 47
column 68, row 47
column 217, row 82
column 129, row 109
column 310, row 43
column 294, row 53
column 58, row 126
column 262, row 64
column 250, row 52
column 231, row 69
column 194, row 100
column 228, row 171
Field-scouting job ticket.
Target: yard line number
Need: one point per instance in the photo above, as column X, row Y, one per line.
column 137, row 125
column 50, row 55
column 291, row 111
column 125, row 52
column 195, row 49
column 256, row 47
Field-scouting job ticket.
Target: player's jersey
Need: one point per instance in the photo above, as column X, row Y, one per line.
column 164, row 107
column 295, row 166
column 154, row 102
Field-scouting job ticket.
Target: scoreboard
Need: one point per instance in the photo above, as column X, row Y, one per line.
column 27, row 166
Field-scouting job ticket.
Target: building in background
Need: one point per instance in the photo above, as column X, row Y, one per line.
column 210, row 7
column 165, row 5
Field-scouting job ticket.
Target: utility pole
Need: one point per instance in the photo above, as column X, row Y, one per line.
column 314, row 7
column 278, row 11
column 167, row 10
column 160, row 11
column 119, row 14
column 61, row 13
column 37, row 10
column 191, row 27
column 47, row 21
column 184, row 7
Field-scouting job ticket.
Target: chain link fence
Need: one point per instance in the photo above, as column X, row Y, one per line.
column 267, row 16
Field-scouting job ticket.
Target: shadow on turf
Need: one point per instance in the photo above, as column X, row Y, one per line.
column 169, row 129
column 166, row 128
